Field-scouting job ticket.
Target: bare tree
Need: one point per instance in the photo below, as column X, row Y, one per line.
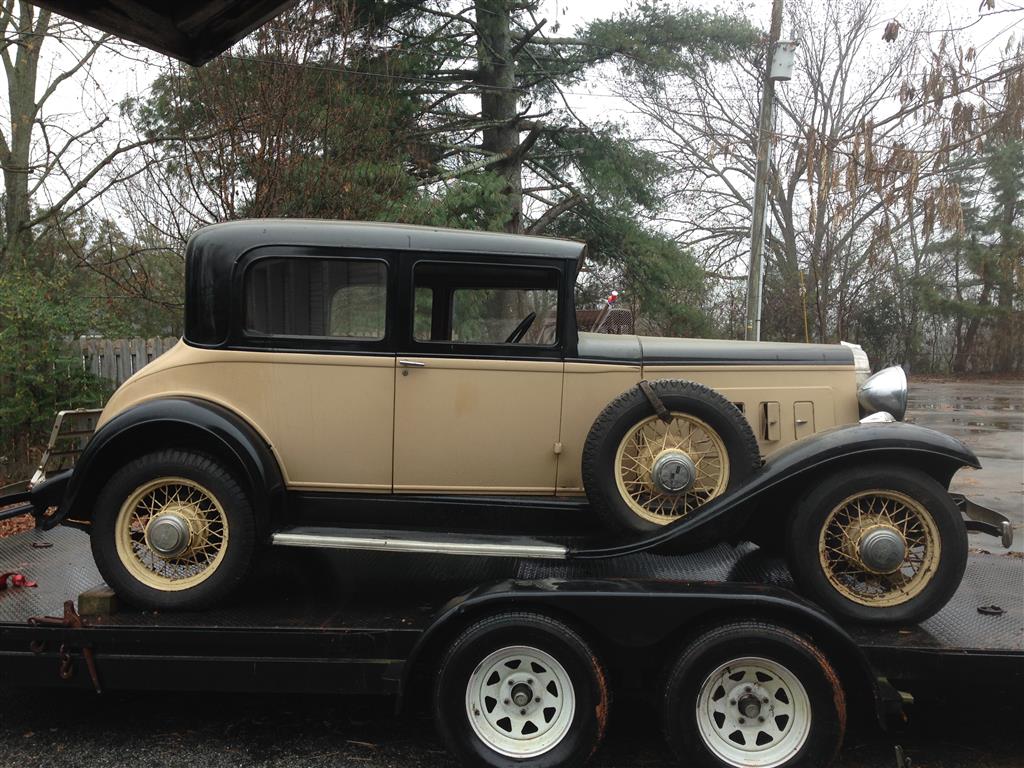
column 860, row 175
column 54, row 165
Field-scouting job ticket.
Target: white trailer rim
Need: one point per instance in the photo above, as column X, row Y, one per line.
column 520, row 702
column 753, row 713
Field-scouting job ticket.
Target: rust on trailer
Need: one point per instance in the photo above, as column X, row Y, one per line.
column 70, row 620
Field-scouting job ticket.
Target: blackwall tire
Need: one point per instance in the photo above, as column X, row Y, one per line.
column 620, row 452
column 521, row 689
column 829, row 536
column 201, row 551
column 753, row 694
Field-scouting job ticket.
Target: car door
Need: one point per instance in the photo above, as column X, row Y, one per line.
column 476, row 411
column 321, row 385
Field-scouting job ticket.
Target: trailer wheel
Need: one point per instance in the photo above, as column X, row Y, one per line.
column 753, row 695
column 878, row 544
column 173, row 530
column 642, row 469
column 521, row 689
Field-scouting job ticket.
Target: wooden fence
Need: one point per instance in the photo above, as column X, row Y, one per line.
column 117, row 359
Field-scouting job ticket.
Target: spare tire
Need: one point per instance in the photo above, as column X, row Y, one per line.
column 642, row 469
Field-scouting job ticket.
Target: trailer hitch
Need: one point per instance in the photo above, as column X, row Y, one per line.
column 66, row 664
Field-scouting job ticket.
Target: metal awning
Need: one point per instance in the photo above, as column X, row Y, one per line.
column 191, row 30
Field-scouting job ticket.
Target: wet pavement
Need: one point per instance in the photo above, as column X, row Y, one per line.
column 989, row 418
column 977, row 727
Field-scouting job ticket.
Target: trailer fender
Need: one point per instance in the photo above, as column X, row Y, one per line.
column 895, row 443
column 651, row 617
column 168, row 422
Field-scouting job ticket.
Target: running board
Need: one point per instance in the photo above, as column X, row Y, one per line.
column 436, row 543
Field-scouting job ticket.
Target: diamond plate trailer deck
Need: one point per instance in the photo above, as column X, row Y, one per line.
column 357, row 622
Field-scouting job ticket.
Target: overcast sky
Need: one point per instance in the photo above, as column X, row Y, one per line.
column 115, row 77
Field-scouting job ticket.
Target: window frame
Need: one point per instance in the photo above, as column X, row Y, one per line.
column 245, row 338
column 411, row 345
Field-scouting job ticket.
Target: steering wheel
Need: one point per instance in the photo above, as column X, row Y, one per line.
column 520, row 330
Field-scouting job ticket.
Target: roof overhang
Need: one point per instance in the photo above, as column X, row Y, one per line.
column 191, row 30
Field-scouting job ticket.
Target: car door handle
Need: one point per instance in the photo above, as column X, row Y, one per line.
column 411, row 364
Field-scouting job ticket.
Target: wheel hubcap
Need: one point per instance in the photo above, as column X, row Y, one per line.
column 753, row 712
column 673, row 472
column 520, row 702
column 882, row 549
column 168, row 534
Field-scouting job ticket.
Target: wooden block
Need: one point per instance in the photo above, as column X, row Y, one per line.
column 98, row 601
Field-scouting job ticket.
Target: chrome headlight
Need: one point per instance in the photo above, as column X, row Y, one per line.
column 885, row 391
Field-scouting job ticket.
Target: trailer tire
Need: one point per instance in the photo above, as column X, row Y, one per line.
column 203, row 548
column 521, row 689
column 708, row 448
column 753, row 694
column 829, row 536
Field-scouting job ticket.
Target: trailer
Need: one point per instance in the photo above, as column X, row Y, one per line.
column 519, row 658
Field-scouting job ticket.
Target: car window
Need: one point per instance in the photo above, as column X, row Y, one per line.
column 336, row 298
column 490, row 315
column 485, row 304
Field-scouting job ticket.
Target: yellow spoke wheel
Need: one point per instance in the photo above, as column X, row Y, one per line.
column 171, row 534
column 666, row 469
column 879, row 548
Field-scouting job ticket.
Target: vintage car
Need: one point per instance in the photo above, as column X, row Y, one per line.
column 359, row 377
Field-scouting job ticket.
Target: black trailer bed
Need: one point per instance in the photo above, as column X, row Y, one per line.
column 323, row 620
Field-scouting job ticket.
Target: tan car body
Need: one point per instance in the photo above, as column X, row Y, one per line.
column 505, row 427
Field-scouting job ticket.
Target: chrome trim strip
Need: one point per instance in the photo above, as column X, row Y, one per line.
column 388, row 544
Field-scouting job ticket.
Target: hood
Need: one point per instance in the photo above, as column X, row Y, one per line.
column 662, row 350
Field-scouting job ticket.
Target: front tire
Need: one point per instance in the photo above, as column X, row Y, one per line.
column 173, row 530
column 753, row 695
column 878, row 544
column 521, row 689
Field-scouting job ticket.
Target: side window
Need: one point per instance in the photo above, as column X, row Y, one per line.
column 328, row 298
column 485, row 304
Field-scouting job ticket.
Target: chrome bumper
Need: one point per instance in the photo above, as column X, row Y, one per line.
column 985, row 520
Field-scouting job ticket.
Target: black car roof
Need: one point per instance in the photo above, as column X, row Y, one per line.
column 213, row 251
column 234, row 238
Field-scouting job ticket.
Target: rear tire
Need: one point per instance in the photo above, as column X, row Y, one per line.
column 200, row 551
column 827, row 544
column 753, row 694
column 521, row 689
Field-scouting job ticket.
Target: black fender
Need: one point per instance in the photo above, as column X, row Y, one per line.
column 173, row 422
column 648, row 622
column 796, row 466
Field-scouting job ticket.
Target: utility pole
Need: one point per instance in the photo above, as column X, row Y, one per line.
column 755, row 276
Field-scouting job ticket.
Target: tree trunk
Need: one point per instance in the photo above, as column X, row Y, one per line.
column 16, row 157
column 498, row 100
column 963, row 359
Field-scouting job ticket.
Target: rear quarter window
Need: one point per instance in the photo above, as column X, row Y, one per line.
column 339, row 298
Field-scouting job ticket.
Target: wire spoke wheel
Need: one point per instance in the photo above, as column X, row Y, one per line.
column 860, row 522
column 520, row 701
column 654, row 452
column 171, row 533
column 753, row 712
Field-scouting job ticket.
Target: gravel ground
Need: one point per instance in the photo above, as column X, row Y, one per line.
column 61, row 729
column 976, row 728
